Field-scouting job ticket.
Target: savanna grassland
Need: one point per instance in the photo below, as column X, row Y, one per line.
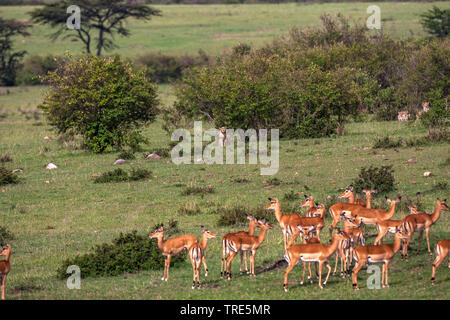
column 57, row 214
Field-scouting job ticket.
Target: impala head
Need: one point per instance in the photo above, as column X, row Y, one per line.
column 208, row 233
column 443, row 204
column 274, row 204
column 305, row 230
column 251, row 218
column 369, row 193
column 402, row 231
column 340, row 235
column 393, row 201
column 157, row 232
column 223, row 129
column 413, row 209
column 309, row 201
column 263, row 224
column 4, row 250
column 347, row 192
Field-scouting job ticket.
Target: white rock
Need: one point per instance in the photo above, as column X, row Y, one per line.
column 51, row 166
column 427, row 174
column 119, row 161
column 47, row 138
column 152, row 156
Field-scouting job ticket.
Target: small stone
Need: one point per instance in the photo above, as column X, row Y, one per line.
column 51, row 166
column 47, row 138
column 119, row 161
column 412, row 160
column 152, row 156
column 427, row 174
column 47, row 181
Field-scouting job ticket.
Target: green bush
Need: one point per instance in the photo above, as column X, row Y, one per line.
column 190, row 209
column 128, row 253
column 236, row 215
column 5, row 158
column 436, row 22
column 387, row 143
column 197, row 190
column 291, row 196
column 35, row 67
column 379, row 178
column 120, row 175
column 101, row 99
column 5, row 236
column 7, row 176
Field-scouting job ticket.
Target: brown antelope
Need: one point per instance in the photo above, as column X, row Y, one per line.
column 352, row 228
column 172, row 247
column 373, row 216
column 246, row 243
column 225, row 250
column 336, row 209
column 385, row 226
column 283, row 219
column 423, row 221
column 314, row 210
column 197, row 254
column 442, row 252
column 316, row 252
column 382, row 253
column 350, row 195
column 5, row 267
column 307, row 239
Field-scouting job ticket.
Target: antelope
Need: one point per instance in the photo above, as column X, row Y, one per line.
column 385, row 226
column 307, row 239
column 283, row 219
column 289, row 222
column 5, row 267
column 222, row 136
column 343, row 252
column 197, row 253
column 225, row 250
column 373, row 216
column 314, row 210
column 337, row 209
column 246, row 243
column 350, row 195
column 423, row 221
column 172, row 247
column 382, row 253
column 316, row 252
column 442, row 252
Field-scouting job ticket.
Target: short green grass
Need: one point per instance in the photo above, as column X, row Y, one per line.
column 213, row 28
column 58, row 214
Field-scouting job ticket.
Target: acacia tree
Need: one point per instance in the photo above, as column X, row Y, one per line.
column 100, row 20
column 9, row 60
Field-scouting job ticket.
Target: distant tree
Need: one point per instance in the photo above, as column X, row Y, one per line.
column 436, row 22
column 9, row 60
column 101, row 17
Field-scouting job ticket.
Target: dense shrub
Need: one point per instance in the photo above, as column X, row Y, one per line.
column 436, row 22
column 5, row 158
column 129, row 252
column 197, row 190
column 120, row 175
column 7, row 176
column 101, row 99
column 5, row 235
column 35, row 67
column 379, row 178
column 387, row 143
column 236, row 215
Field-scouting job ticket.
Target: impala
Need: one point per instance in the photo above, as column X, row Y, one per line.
column 350, row 195
column 382, row 253
column 172, row 247
column 197, row 254
column 5, row 267
column 225, row 249
column 352, row 228
column 423, row 221
column 314, row 210
column 442, row 252
column 247, row 243
column 316, row 252
column 373, row 216
column 308, row 239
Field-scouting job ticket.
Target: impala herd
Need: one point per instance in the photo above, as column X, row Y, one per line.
column 347, row 244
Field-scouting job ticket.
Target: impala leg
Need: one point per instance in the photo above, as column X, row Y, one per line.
column 329, row 271
column 355, row 271
column 245, row 261
column 294, row 236
column 286, row 274
column 333, row 225
column 204, row 265
column 229, row 260
column 437, row 261
column 383, row 270
column 165, row 269
column 320, row 274
column 169, row 257
column 194, row 271
column 336, row 264
column 427, row 233
column 386, row 270
column 252, row 262
column 3, row 281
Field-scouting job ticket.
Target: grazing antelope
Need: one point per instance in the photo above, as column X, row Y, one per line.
column 373, row 216
column 314, row 210
column 197, row 254
column 337, row 209
column 226, row 251
column 382, row 253
column 423, row 221
column 247, row 243
column 442, row 252
column 172, row 247
column 5, row 267
column 316, row 252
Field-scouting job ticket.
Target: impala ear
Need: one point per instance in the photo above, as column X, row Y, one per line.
column 351, row 187
column 270, row 199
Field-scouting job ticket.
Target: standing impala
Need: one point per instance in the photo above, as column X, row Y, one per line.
column 423, row 221
column 373, row 216
column 226, row 251
column 314, row 210
column 350, row 195
column 442, row 252
column 172, row 247
column 197, row 254
column 382, row 253
column 247, row 243
column 316, row 252
column 5, row 267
